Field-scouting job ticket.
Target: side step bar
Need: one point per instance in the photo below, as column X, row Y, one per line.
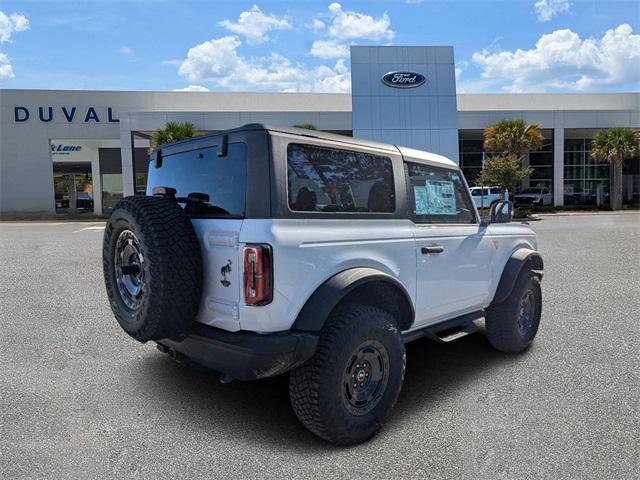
column 447, row 331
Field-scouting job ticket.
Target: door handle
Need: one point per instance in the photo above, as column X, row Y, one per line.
column 435, row 249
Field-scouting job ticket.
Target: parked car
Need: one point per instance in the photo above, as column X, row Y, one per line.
column 491, row 194
column 259, row 251
column 534, row 196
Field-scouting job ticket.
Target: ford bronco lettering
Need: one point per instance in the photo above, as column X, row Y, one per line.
column 259, row 251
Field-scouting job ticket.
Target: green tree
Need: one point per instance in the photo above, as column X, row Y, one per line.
column 505, row 172
column 173, row 132
column 514, row 138
column 512, row 141
column 615, row 146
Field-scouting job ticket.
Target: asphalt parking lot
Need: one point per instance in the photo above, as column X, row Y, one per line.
column 80, row 399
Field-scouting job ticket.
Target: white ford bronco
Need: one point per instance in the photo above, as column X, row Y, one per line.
column 261, row 250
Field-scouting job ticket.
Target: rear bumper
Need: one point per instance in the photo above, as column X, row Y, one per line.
column 241, row 355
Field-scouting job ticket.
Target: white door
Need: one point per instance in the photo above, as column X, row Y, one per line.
column 454, row 257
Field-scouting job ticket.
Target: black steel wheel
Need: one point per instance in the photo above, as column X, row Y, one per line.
column 513, row 324
column 366, row 377
column 347, row 390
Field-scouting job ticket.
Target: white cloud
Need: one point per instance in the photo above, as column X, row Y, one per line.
column 316, row 25
column 255, row 24
column 562, row 60
column 347, row 25
column 126, row 51
column 6, row 70
column 10, row 24
column 460, row 67
column 329, row 49
column 547, row 9
column 192, row 88
column 211, row 59
column 219, row 62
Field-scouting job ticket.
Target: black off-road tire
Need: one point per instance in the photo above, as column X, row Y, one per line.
column 318, row 390
column 169, row 267
column 506, row 329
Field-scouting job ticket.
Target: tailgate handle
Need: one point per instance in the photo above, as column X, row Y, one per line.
column 435, row 249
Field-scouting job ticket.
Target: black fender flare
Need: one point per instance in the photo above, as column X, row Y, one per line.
column 320, row 304
column 520, row 260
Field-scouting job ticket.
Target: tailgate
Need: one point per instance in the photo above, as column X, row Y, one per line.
column 222, row 272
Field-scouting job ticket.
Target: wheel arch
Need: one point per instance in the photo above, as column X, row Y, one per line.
column 363, row 285
column 521, row 260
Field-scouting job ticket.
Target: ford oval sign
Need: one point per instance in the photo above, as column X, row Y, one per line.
column 403, row 79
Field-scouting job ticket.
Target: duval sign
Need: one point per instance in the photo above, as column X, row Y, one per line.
column 403, row 79
column 68, row 114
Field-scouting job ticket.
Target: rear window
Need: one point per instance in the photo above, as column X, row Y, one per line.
column 222, row 179
column 331, row 180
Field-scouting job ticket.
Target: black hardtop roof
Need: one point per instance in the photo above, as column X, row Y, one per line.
column 303, row 132
column 204, row 141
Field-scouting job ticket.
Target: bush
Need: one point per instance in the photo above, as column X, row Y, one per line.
column 522, row 212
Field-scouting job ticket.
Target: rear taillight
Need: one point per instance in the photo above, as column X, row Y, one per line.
column 258, row 274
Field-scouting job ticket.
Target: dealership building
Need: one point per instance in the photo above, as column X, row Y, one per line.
column 63, row 151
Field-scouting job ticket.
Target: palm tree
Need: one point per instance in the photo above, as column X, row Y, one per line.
column 173, row 132
column 615, row 146
column 513, row 138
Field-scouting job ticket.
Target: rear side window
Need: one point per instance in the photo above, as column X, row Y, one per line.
column 438, row 195
column 324, row 179
column 222, row 179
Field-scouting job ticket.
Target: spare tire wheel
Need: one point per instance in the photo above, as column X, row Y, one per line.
column 152, row 267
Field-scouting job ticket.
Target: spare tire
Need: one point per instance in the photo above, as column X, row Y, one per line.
column 152, row 267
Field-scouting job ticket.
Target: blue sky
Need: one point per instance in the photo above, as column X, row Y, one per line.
column 500, row 46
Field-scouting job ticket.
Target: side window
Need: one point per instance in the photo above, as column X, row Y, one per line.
column 495, row 191
column 324, row 179
column 438, row 195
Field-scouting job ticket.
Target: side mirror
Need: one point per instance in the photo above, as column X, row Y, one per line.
column 501, row 212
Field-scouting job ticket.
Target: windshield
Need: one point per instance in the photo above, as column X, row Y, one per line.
column 202, row 171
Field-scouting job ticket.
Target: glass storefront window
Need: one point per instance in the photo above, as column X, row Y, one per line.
column 140, row 167
column 141, row 183
column 111, row 176
column 73, row 187
column 472, row 156
column 586, row 180
column 111, row 190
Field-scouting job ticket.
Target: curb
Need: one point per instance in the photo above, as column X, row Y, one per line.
column 577, row 214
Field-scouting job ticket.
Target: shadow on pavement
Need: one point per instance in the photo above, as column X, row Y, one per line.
column 260, row 412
